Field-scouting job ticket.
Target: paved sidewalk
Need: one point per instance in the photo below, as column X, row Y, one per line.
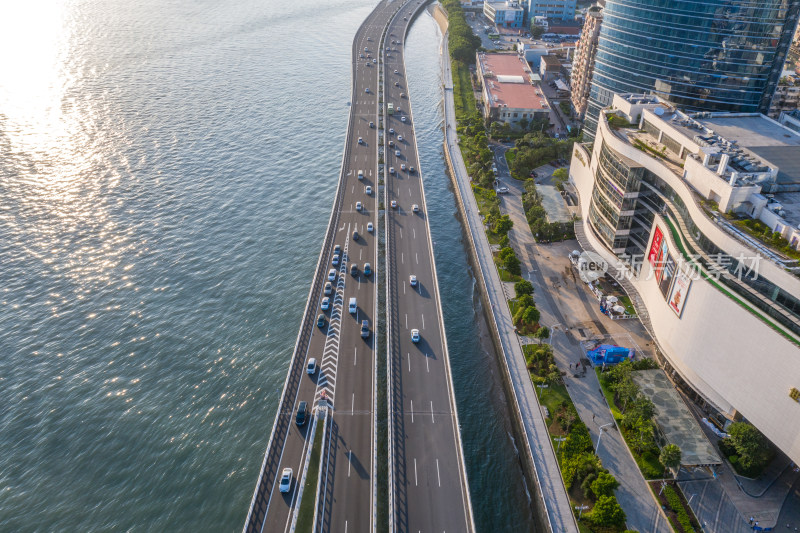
column 537, row 439
column 572, row 314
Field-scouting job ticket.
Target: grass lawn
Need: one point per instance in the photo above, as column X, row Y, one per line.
column 485, row 198
column 305, row 516
column 609, row 397
column 506, row 275
column 463, row 96
column 625, row 302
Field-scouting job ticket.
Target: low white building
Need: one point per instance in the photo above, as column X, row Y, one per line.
column 722, row 304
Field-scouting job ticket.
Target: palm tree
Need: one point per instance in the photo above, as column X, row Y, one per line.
column 670, row 457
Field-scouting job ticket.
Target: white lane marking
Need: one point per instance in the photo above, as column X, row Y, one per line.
column 349, row 463
column 437, row 473
column 401, row 233
column 416, row 256
column 412, row 411
column 416, row 481
column 432, row 420
column 353, row 191
column 409, row 191
column 427, row 362
column 401, row 257
column 408, row 355
column 423, row 321
column 360, row 250
column 355, row 354
column 345, row 526
column 353, row 404
column 415, row 232
column 404, row 288
column 406, row 320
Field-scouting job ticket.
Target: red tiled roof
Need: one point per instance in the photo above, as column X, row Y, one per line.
column 514, row 95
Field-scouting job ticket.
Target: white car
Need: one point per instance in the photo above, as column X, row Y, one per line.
column 331, row 274
column 391, row 143
column 374, row 60
column 370, row 227
column 395, row 70
column 360, row 140
column 286, row 480
column 311, row 369
column 391, row 170
column 414, row 335
column 371, row 124
column 397, row 84
column 366, row 90
column 391, row 131
column 400, row 138
column 394, row 204
column 415, row 208
column 397, row 153
column 402, row 166
column 361, row 174
column 502, row 190
column 358, row 206
column 325, row 304
column 368, row 190
column 402, row 119
column 412, row 280
column 335, row 260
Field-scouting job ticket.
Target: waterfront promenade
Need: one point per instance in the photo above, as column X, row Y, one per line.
column 537, row 444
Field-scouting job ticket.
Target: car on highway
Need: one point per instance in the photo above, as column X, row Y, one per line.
column 371, row 124
column 355, row 235
column 402, row 166
column 394, row 204
column 361, row 56
column 325, row 304
column 402, row 95
column 302, row 413
column 397, row 84
column 337, row 249
column 370, row 227
column 320, row 320
column 366, row 49
column 358, row 206
column 365, row 328
column 411, row 170
column 361, row 174
column 367, row 269
column 328, row 288
column 354, row 269
column 402, row 119
column 412, row 280
column 360, row 140
column 352, row 307
column 368, row 190
column 311, row 367
column 374, row 60
column 335, row 260
column 502, row 190
column 366, row 90
column 286, row 480
column 415, row 208
column 391, row 143
column 414, row 335
column 400, row 138
column 391, row 131
column 331, row 274
column 397, row 153
column 396, row 71
column 391, row 170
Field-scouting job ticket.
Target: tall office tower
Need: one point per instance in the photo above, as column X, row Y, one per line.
column 715, row 55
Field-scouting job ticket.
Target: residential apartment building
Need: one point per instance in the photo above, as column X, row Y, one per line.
column 681, row 203
column 508, row 91
column 583, row 62
column 508, row 14
column 785, row 99
column 717, row 55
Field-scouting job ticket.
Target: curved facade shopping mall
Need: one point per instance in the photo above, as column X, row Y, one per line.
column 701, row 211
column 715, row 55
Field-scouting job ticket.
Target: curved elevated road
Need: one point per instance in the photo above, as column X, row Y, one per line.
column 436, row 498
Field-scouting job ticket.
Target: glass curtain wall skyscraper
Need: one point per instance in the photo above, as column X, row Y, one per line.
column 710, row 55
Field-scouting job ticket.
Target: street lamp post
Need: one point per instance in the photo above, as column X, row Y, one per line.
column 600, row 436
column 581, row 509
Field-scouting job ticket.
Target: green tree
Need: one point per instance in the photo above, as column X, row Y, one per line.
column 523, row 287
column 553, row 375
column 604, row 485
column 642, row 435
column 505, row 252
column 607, row 512
column 753, row 449
column 561, row 173
column 670, row 457
column 537, row 31
column 503, row 225
column 511, row 264
column 531, row 315
column 525, row 300
column 542, row 333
